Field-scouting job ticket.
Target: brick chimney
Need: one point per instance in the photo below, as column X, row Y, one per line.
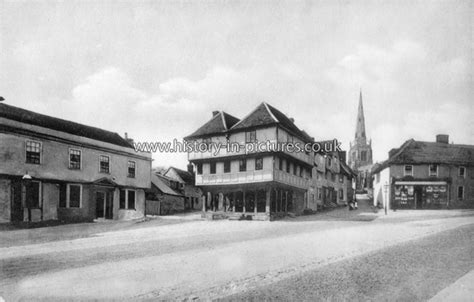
column 214, row 113
column 128, row 139
column 442, row 138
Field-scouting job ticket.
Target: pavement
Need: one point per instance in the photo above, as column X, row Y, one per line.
column 460, row 291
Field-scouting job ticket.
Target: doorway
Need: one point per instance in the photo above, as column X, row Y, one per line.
column 103, row 205
column 16, row 205
column 418, row 197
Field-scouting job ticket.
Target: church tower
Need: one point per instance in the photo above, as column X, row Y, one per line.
column 360, row 154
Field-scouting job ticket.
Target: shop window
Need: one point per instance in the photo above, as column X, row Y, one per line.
column 127, row 199
column 33, row 194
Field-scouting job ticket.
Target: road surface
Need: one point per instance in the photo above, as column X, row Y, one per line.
column 242, row 259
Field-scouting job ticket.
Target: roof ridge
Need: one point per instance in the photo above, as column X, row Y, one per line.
column 243, row 119
column 223, row 119
column 271, row 113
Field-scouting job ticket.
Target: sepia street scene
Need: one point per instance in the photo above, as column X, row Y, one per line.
column 236, row 150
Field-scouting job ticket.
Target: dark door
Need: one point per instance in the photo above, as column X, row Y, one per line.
column 108, row 206
column 418, row 197
column 16, row 206
column 100, row 204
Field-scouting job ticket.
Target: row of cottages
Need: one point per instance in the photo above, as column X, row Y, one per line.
column 257, row 183
column 54, row 169
column 426, row 175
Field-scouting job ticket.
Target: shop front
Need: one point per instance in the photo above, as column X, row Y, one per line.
column 420, row 195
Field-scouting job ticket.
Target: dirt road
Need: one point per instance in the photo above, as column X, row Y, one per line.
column 202, row 259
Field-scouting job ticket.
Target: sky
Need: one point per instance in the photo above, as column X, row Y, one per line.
column 157, row 69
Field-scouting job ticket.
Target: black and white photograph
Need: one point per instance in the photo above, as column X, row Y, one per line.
column 237, row 150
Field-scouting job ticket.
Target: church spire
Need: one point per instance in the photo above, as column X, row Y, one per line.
column 360, row 125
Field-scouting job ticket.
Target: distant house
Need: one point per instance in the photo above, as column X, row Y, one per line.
column 54, row 169
column 426, row 175
column 163, row 198
column 192, row 194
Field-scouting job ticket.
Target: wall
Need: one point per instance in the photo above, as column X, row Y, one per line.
column 379, row 196
column 55, row 162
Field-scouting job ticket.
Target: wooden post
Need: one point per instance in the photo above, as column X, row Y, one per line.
column 204, row 200
column 243, row 200
column 255, row 201
column 233, row 201
column 268, row 193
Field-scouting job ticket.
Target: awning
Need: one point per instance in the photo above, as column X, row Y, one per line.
column 421, row 183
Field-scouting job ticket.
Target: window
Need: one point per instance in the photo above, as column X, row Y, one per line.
column 295, row 168
column 288, row 166
column 341, row 194
column 131, row 200
column 433, row 170
column 363, row 155
column 131, row 169
column 243, row 165
column 33, row 152
column 460, row 192
column 213, row 168
column 462, row 171
column 33, row 194
column 408, row 170
column 104, row 164
column 329, row 161
column 207, row 142
column 122, row 200
column 251, row 136
column 199, row 168
column 280, row 164
column 70, row 196
column 127, row 199
column 301, row 172
column 227, row 166
column 319, row 193
column 74, row 159
column 74, row 196
column 259, row 163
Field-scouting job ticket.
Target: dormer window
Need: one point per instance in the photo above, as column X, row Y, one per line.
column 462, row 172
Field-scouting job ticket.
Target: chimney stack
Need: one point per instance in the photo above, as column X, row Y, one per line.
column 442, row 138
column 292, row 119
column 191, row 168
column 214, row 113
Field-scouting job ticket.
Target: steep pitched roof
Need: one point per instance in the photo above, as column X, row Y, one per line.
column 418, row 152
column 186, row 176
column 266, row 115
column 219, row 123
column 37, row 119
column 162, row 186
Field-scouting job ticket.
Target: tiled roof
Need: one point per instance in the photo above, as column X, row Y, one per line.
column 417, row 152
column 186, row 176
column 219, row 123
column 162, row 186
column 37, row 119
column 266, row 114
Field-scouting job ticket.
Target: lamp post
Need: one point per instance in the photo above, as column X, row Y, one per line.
column 385, row 200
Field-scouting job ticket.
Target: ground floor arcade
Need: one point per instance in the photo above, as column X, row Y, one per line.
column 264, row 201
